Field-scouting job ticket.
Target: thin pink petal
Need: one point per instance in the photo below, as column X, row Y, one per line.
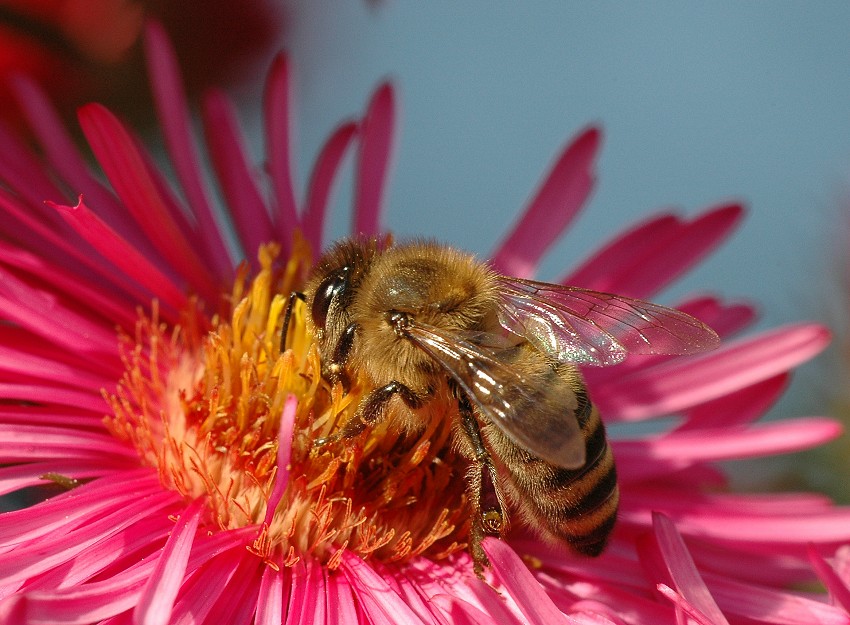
column 160, row 591
column 18, row 359
column 755, row 603
column 172, row 108
column 321, row 183
column 373, row 161
column 461, row 612
column 669, row 256
column 686, row 382
column 16, row 477
column 210, row 581
column 683, row 572
column 100, row 299
column 598, row 272
column 284, row 453
column 19, row 443
column 341, row 601
column 53, row 394
column 562, row 194
column 380, row 602
column 65, row 159
column 126, row 168
column 270, row 598
column 520, row 584
column 51, row 551
column 45, row 241
column 122, row 254
column 685, row 607
column 73, row 507
column 738, row 407
column 233, row 170
column 724, row 318
column 277, row 111
column 838, row 590
column 764, row 439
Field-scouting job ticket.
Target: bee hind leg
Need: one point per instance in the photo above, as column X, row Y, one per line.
column 488, row 512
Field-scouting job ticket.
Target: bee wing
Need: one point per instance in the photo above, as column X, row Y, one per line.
column 549, row 432
column 577, row 325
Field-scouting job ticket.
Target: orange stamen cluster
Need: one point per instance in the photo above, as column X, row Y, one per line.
column 205, row 411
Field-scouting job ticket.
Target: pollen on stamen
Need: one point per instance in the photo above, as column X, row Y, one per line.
column 203, row 402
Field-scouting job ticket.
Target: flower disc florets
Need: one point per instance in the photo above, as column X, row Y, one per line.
column 205, row 409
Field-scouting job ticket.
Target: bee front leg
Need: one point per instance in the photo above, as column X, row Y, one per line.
column 488, row 512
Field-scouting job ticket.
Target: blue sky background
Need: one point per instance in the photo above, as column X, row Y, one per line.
column 700, row 103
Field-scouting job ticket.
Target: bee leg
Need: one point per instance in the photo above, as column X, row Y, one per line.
column 287, row 316
column 373, row 408
column 488, row 515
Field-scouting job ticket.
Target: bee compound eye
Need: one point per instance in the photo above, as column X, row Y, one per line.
column 331, row 287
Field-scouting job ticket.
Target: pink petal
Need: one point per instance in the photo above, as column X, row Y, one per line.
column 17, row 358
column 55, row 394
column 121, row 552
column 24, row 174
column 763, row 439
column 65, row 159
column 738, row 407
column 599, row 271
column 724, row 318
column 462, row 613
column 54, row 550
column 838, row 590
column 321, row 183
column 160, row 591
column 270, row 598
column 670, row 256
column 124, row 165
column 198, row 593
column 20, row 443
column 754, row 603
column 278, row 115
column 373, row 161
column 380, row 602
column 16, row 477
column 559, row 198
column 45, row 241
column 172, row 108
column 100, row 299
column 520, row 584
column 122, row 254
column 341, row 602
column 74, row 507
column 682, row 571
column 284, row 453
column 686, row 382
column 246, row 205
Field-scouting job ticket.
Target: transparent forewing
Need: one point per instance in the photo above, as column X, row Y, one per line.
column 504, row 397
column 587, row 327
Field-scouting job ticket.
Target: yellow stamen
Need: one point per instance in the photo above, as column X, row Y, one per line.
column 205, row 409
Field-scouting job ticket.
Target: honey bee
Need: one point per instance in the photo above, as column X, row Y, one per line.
column 421, row 320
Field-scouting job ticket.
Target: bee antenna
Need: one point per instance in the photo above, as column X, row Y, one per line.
column 287, row 315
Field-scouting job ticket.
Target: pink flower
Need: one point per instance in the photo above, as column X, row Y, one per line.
column 200, row 498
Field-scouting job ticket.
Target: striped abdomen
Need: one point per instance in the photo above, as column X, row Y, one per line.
column 574, row 506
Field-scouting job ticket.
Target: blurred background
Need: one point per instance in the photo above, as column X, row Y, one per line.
column 700, row 103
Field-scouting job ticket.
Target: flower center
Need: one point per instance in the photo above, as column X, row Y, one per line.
column 206, row 411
